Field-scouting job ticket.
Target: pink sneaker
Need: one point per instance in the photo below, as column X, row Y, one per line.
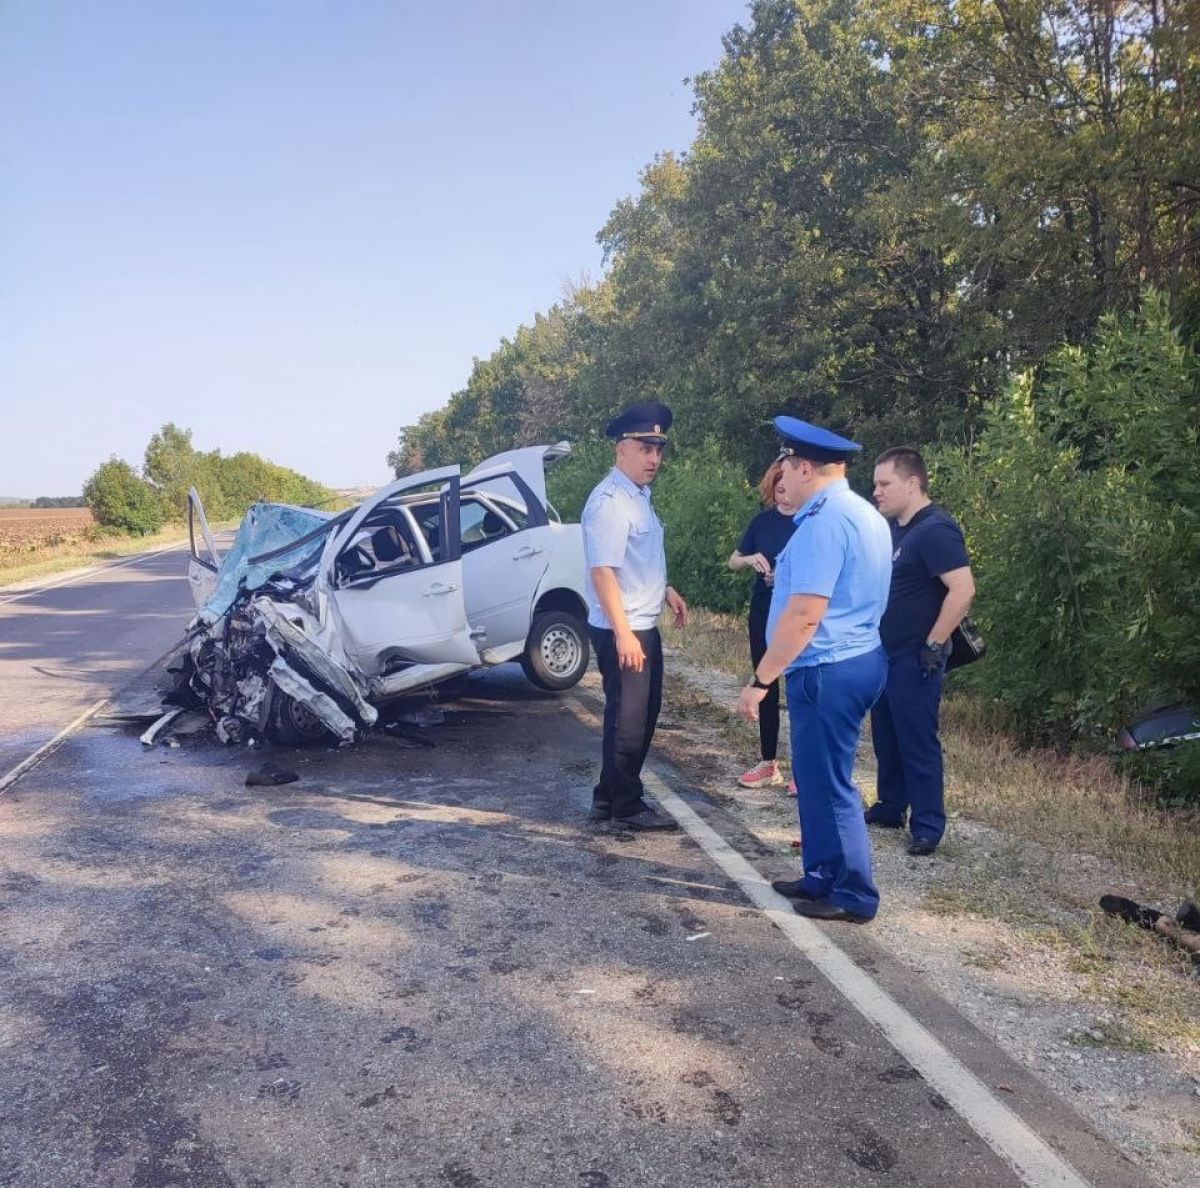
column 766, row 774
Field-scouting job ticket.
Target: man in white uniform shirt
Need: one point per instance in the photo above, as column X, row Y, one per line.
column 626, row 590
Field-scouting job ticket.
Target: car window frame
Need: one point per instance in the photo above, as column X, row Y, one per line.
column 488, row 505
column 402, row 506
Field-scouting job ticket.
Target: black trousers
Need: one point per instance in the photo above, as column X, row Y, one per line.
column 768, row 709
column 631, row 704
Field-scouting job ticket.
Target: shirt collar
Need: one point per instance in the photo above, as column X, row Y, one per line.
column 623, row 480
column 837, row 485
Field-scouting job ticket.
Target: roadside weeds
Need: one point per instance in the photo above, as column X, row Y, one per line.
column 94, row 547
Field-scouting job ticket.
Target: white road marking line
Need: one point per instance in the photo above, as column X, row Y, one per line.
column 50, row 747
column 89, row 572
column 1028, row 1155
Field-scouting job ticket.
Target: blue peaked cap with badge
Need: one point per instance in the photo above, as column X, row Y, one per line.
column 647, row 422
column 799, row 439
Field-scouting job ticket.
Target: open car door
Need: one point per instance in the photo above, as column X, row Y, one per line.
column 395, row 585
column 204, row 559
column 528, row 462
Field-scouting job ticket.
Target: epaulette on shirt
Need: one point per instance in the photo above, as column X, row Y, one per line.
column 812, row 511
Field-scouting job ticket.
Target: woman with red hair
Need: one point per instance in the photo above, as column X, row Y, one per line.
column 761, row 543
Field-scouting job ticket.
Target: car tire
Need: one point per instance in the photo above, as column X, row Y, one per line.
column 556, row 651
column 294, row 725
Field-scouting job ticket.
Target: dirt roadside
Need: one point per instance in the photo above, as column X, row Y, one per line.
column 1008, row 931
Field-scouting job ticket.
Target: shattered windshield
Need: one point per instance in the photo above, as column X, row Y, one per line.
column 266, row 528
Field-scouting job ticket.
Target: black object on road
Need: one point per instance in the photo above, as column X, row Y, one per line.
column 269, row 775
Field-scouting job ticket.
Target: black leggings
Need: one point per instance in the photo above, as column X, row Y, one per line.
column 768, row 710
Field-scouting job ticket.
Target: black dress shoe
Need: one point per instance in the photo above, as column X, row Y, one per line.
column 877, row 815
column 645, row 821
column 600, row 812
column 824, row 909
column 922, row 847
column 793, row 889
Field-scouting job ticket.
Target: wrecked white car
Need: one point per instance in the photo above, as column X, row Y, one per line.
column 312, row 619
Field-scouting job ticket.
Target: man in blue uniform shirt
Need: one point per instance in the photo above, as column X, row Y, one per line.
column 831, row 588
column 626, row 590
column 932, row 588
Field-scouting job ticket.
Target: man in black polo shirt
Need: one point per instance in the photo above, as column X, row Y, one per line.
column 931, row 592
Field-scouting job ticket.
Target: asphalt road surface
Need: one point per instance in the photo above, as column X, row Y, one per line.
column 418, row 966
column 71, row 641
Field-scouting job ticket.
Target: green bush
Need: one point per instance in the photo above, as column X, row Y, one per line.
column 1081, row 505
column 570, row 481
column 704, row 502
column 228, row 486
column 120, row 499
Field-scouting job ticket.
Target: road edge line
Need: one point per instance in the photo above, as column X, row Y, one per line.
column 48, row 748
column 1030, row 1156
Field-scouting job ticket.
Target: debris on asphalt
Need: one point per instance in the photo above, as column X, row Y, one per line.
column 176, row 723
column 270, row 775
column 149, row 738
column 420, row 715
column 699, row 936
column 406, row 736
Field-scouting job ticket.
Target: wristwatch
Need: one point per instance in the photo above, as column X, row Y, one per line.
column 755, row 683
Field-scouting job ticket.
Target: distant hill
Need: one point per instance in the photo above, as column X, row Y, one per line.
column 43, row 501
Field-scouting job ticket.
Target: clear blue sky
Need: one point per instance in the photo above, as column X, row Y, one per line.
column 291, row 226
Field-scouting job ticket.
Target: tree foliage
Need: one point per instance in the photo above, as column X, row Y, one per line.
column 122, row 500
column 1081, row 504
column 228, row 486
column 889, row 207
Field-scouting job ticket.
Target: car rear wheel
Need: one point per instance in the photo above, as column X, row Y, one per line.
column 294, row 724
column 557, row 650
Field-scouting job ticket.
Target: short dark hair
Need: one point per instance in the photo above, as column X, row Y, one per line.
column 908, row 461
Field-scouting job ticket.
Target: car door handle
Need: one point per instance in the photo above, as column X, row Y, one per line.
column 440, row 588
column 527, row 551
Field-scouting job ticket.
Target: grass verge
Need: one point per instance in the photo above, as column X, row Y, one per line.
column 92, row 548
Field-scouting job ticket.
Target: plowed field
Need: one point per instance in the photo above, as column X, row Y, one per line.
column 25, row 530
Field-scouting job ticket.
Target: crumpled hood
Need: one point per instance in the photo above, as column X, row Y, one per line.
column 264, row 528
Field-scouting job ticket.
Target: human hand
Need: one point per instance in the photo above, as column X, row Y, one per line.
column 932, row 657
column 677, row 606
column 760, row 564
column 748, row 703
column 629, row 652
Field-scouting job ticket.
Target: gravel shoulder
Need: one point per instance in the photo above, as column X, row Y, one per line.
column 1008, row 932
